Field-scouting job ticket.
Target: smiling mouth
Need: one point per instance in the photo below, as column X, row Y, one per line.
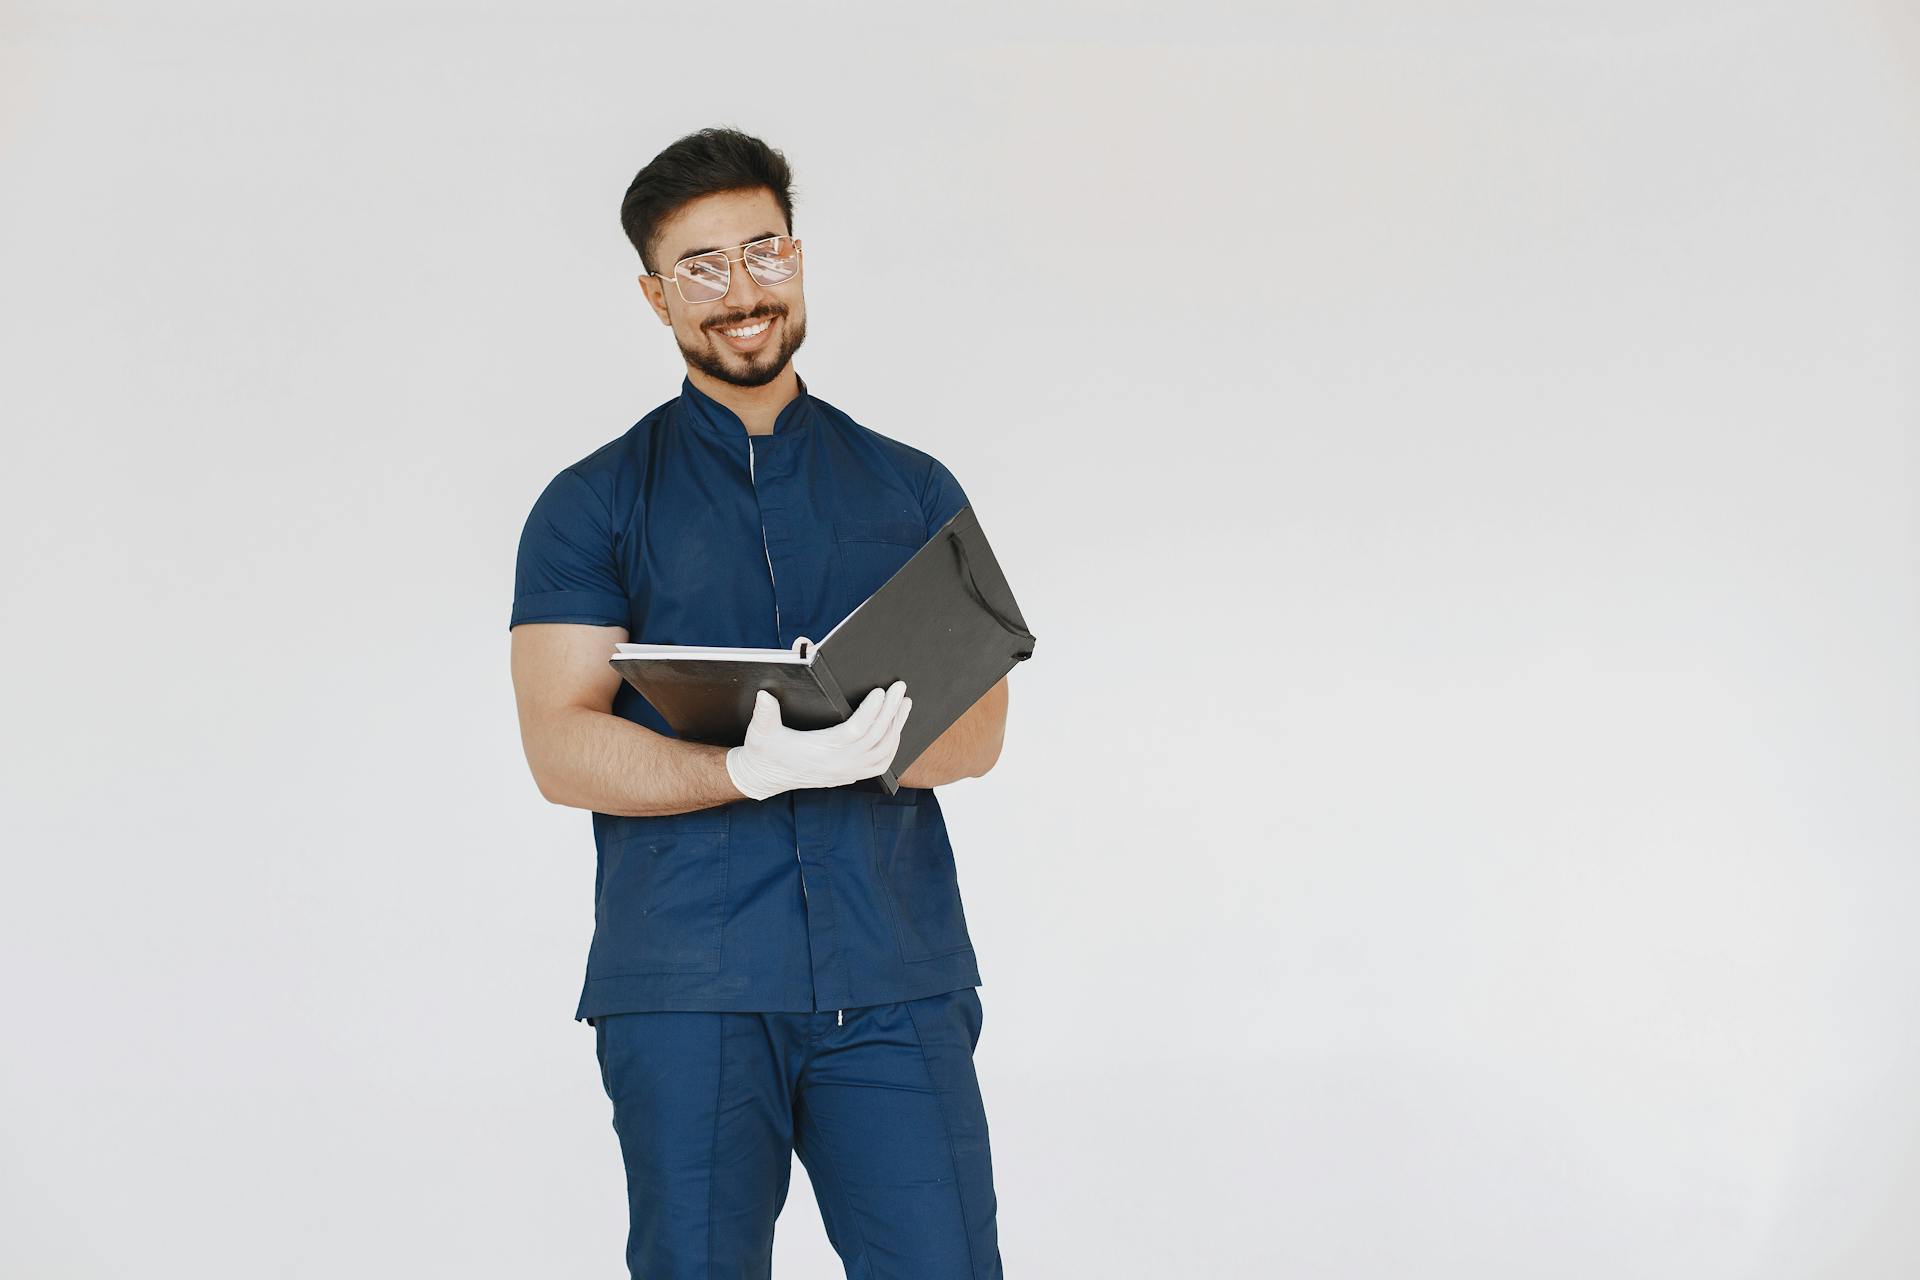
column 748, row 336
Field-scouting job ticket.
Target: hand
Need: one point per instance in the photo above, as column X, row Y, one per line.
column 775, row 758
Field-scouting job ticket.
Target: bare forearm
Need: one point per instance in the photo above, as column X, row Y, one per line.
column 593, row 760
column 589, row 759
column 968, row 748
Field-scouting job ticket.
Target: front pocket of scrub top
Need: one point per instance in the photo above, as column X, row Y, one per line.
column 914, row 864
column 868, row 552
column 663, row 901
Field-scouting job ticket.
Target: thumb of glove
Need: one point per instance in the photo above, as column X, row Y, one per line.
column 766, row 712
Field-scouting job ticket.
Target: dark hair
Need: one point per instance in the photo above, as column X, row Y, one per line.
column 701, row 164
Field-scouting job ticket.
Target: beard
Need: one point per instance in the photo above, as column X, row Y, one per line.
column 746, row 368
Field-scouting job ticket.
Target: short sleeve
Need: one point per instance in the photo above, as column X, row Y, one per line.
column 566, row 570
column 943, row 497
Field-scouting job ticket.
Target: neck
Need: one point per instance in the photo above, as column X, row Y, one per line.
column 756, row 407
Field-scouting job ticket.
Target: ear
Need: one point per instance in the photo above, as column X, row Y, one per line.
column 656, row 294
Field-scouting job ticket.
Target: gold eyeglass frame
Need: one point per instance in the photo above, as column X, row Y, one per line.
column 730, row 260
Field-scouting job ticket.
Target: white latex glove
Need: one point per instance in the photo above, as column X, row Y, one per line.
column 775, row 758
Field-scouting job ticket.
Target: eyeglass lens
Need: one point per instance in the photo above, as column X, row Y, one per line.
column 770, row 262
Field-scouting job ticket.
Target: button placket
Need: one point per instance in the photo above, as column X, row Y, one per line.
column 770, row 468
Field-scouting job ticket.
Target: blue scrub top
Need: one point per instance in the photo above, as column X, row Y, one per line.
column 686, row 530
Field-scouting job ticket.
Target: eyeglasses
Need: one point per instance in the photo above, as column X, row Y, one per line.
column 705, row 277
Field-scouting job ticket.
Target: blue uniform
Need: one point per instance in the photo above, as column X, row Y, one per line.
column 686, row 530
column 839, row 904
column 881, row 1104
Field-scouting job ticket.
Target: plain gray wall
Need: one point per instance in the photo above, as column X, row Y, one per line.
column 1507, row 411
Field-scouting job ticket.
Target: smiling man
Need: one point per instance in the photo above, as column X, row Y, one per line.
column 780, row 960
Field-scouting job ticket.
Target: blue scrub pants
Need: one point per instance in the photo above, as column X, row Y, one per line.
column 881, row 1104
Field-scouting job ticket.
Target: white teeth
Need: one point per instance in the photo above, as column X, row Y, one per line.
column 747, row 332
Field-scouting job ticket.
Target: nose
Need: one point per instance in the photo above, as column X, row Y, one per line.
column 743, row 292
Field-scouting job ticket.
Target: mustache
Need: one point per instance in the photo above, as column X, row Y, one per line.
column 756, row 316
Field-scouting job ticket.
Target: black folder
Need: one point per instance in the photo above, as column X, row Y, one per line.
column 945, row 622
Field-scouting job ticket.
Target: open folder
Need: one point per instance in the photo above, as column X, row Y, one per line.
column 945, row 622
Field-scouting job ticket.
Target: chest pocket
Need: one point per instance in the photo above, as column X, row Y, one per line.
column 913, row 862
column 869, row 551
column 663, row 897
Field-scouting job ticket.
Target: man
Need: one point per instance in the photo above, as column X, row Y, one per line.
column 780, row 959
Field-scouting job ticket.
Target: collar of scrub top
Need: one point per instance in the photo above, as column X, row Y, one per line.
column 711, row 416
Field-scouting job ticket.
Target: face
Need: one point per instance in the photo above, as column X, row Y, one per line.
column 727, row 220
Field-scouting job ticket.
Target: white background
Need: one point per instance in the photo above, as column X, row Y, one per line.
column 1505, row 412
